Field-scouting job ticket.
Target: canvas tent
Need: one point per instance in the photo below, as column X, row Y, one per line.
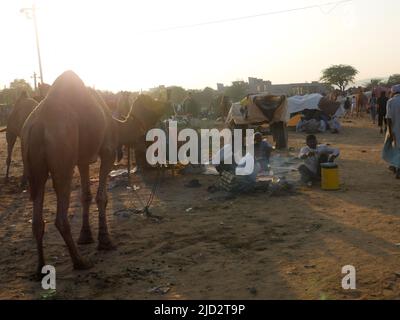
column 259, row 109
column 313, row 101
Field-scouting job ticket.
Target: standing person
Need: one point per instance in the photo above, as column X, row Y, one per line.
column 372, row 107
column 353, row 105
column 262, row 151
column 361, row 103
column 381, row 102
column 347, row 107
column 393, row 134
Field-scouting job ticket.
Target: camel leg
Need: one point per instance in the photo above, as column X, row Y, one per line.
column 11, row 138
column 105, row 242
column 62, row 185
column 129, row 165
column 86, row 198
column 37, row 221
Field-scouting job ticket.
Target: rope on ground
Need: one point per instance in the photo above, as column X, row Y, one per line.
column 145, row 208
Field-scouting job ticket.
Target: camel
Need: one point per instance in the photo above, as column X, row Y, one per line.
column 144, row 113
column 43, row 89
column 71, row 127
column 21, row 110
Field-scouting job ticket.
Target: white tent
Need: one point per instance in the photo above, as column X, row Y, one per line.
column 308, row 101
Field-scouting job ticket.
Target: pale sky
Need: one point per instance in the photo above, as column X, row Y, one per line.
column 124, row 44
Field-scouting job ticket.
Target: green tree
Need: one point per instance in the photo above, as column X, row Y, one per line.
column 373, row 83
column 339, row 75
column 20, row 85
column 11, row 94
column 394, row 79
column 205, row 97
column 237, row 90
column 177, row 94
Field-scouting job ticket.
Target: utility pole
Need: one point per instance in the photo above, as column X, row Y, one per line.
column 34, row 80
column 33, row 11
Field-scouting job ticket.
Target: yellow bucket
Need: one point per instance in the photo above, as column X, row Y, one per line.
column 330, row 176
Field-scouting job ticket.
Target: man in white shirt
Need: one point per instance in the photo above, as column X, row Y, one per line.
column 313, row 155
column 393, row 121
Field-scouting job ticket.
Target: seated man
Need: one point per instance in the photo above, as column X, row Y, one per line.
column 313, row 155
column 262, row 151
column 224, row 160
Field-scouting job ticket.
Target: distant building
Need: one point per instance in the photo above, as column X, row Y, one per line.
column 220, row 87
column 256, row 85
column 260, row 85
column 292, row 89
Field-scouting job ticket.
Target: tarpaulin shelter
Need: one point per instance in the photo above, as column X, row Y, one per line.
column 260, row 109
column 313, row 101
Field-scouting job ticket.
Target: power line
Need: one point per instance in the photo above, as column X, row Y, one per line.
column 335, row 4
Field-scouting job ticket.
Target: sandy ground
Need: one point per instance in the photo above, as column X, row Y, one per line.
column 255, row 247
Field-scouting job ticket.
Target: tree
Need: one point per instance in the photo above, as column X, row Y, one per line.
column 11, row 94
column 237, row 90
column 393, row 80
column 339, row 75
column 373, row 83
column 20, row 85
column 178, row 94
column 205, row 97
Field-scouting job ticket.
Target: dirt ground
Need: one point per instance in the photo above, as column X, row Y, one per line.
column 253, row 247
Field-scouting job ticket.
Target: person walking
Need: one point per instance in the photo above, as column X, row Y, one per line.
column 391, row 151
column 381, row 103
column 372, row 107
column 347, row 107
column 353, row 105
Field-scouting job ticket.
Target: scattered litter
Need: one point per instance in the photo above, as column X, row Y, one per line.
column 252, row 290
column 160, row 289
column 310, row 266
column 281, row 188
column 189, row 209
column 121, row 172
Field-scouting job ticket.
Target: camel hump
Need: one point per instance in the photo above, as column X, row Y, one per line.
column 68, row 80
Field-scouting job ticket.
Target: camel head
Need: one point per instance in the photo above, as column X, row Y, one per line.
column 144, row 114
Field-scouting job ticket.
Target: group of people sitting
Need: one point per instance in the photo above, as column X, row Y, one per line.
column 313, row 155
column 315, row 121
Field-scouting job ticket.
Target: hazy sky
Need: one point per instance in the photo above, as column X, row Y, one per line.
column 121, row 44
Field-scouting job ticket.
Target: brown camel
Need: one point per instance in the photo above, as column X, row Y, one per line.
column 21, row 110
column 71, row 127
column 144, row 113
column 43, row 89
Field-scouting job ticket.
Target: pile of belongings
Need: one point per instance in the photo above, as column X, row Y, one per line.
column 314, row 113
column 316, row 121
column 234, row 183
column 258, row 109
